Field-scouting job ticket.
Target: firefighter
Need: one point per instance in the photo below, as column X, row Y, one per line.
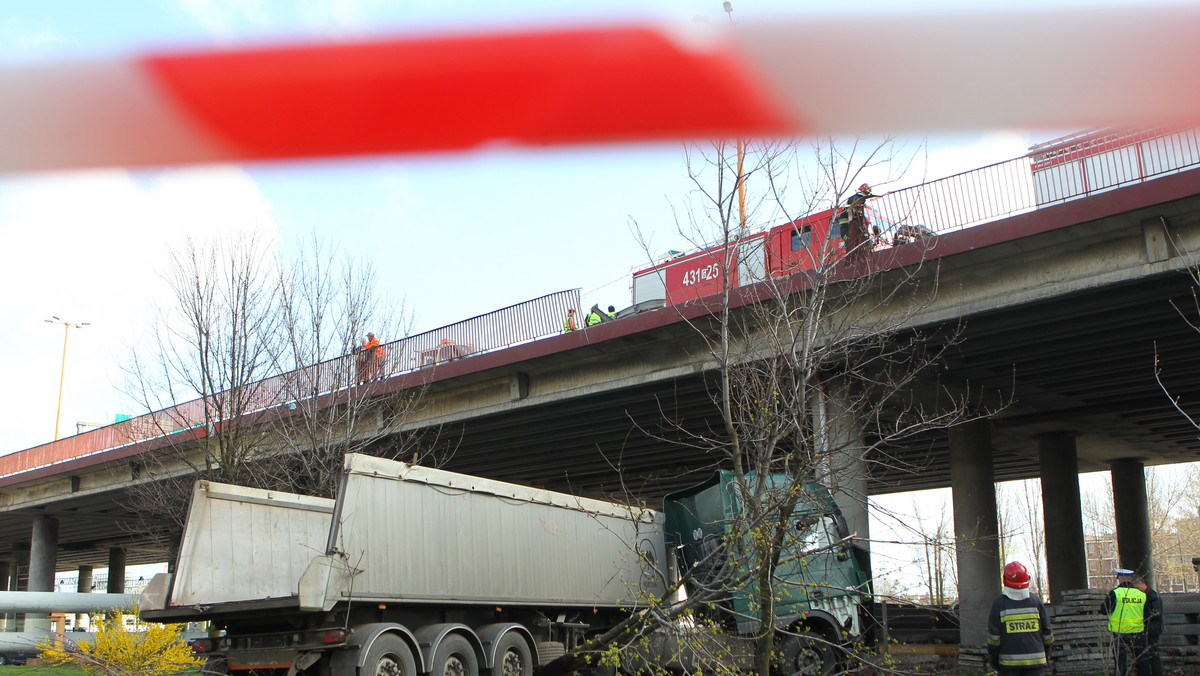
column 852, row 221
column 1018, row 633
column 1126, row 610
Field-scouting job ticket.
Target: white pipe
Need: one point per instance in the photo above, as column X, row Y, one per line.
column 26, row 641
column 63, row 602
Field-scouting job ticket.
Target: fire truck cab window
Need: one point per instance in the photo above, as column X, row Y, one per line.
column 802, row 238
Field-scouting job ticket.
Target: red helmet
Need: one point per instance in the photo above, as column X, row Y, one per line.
column 1016, row 576
column 864, row 189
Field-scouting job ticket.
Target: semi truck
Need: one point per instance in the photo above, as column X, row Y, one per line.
column 413, row 570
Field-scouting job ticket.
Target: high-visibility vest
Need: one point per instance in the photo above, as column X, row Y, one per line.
column 1126, row 616
column 592, row 319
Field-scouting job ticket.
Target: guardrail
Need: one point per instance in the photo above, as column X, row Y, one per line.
column 1068, row 169
column 513, row 325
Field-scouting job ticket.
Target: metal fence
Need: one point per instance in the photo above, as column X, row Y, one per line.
column 1067, row 169
column 520, row 323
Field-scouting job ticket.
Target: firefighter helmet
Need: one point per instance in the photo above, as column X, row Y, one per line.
column 1016, row 576
column 864, row 189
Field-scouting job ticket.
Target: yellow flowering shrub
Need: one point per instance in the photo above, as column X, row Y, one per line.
column 145, row 649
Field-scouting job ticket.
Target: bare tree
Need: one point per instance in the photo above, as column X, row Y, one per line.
column 331, row 391
column 1022, row 527
column 938, row 555
column 253, row 375
column 204, row 372
column 821, row 375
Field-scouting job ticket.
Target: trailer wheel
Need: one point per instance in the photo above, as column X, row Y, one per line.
column 805, row 654
column 455, row 657
column 513, row 657
column 390, row 656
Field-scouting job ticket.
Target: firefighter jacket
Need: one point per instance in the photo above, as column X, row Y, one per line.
column 1126, row 610
column 1019, row 631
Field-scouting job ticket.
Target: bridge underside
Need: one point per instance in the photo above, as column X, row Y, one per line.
column 1083, row 363
column 1071, row 326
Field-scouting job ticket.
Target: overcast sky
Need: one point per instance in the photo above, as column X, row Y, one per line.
column 453, row 236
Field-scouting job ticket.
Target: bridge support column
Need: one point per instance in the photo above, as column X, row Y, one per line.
column 846, row 469
column 1066, row 554
column 5, row 573
column 43, row 559
column 1132, row 518
column 20, row 563
column 83, row 586
column 116, row 571
column 976, row 544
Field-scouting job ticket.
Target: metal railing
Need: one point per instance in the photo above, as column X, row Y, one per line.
column 513, row 325
column 1071, row 168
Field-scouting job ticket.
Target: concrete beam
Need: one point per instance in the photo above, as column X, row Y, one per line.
column 1066, row 554
column 1132, row 515
column 976, row 540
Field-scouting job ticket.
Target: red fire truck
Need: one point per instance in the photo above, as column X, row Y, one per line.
column 785, row 249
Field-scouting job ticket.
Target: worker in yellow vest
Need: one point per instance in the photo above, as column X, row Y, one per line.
column 1125, row 607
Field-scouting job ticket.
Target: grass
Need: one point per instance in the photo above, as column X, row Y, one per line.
column 56, row 670
column 41, row 670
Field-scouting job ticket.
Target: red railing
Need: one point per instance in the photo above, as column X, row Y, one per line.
column 520, row 323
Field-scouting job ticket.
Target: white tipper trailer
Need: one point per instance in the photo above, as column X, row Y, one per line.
column 410, row 570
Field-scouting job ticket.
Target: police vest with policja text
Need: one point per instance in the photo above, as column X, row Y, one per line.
column 1126, row 616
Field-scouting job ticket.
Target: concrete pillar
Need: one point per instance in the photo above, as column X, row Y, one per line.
column 976, row 540
column 43, row 560
column 1066, row 553
column 116, row 571
column 84, row 586
column 5, row 573
column 1134, row 549
column 845, row 470
column 20, row 565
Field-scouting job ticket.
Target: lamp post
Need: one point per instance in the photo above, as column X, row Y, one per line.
column 63, row 372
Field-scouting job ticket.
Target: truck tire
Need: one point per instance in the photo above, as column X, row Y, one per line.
column 513, row 657
column 805, row 654
column 455, row 657
column 389, row 656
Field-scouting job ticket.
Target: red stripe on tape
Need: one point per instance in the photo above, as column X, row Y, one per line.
column 451, row 93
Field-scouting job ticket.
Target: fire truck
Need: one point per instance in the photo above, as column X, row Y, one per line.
column 803, row 244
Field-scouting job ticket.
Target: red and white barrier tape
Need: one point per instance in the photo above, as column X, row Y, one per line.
column 835, row 75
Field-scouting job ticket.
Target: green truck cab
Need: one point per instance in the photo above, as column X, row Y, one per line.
column 821, row 588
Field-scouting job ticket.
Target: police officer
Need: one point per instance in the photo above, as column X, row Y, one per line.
column 1126, row 610
column 1018, row 634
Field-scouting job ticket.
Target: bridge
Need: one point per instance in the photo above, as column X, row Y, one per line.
column 1065, row 273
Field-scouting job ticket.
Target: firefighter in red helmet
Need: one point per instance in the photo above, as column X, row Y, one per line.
column 1018, row 633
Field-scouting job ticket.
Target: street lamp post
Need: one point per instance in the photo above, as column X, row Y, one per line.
column 62, row 374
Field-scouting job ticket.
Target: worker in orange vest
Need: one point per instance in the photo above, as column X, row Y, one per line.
column 373, row 357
